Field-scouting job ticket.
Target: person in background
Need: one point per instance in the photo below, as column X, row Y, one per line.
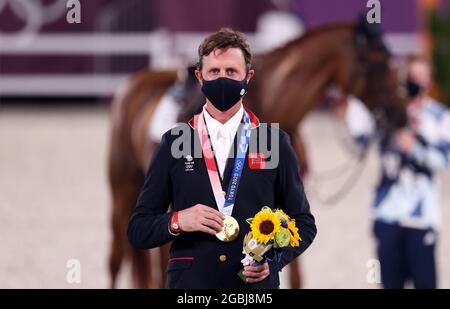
column 405, row 208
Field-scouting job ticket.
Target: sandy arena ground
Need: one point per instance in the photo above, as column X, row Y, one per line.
column 54, row 203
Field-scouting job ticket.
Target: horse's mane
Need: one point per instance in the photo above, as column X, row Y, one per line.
column 307, row 36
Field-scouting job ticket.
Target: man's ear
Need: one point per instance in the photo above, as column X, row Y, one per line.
column 198, row 74
column 250, row 75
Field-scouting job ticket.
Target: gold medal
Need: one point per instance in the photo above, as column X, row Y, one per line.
column 230, row 229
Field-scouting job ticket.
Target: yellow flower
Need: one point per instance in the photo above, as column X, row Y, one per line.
column 282, row 212
column 264, row 226
column 283, row 216
column 295, row 237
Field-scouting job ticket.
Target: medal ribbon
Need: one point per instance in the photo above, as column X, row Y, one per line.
column 224, row 205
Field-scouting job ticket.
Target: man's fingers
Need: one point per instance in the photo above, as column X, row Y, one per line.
column 215, row 218
column 208, row 230
column 255, row 277
column 252, row 274
column 254, row 280
column 213, row 211
column 256, row 273
column 212, row 214
column 257, row 268
column 211, row 224
column 206, row 219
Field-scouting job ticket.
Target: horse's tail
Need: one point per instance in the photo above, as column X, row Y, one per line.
column 125, row 171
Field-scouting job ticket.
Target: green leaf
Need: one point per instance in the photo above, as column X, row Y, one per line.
column 241, row 275
column 266, row 208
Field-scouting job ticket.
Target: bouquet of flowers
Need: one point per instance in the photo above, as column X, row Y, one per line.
column 269, row 228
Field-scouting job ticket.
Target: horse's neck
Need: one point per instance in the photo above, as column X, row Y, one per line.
column 290, row 82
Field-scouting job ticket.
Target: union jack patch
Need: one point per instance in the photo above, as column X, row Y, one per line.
column 256, row 160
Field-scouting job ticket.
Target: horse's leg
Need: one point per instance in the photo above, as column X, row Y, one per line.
column 125, row 169
column 295, row 277
column 118, row 225
column 119, row 220
column 123, row 201
column 141, row 268
column 117, row 246
column 164, row 258
column 300, row 150
column 125, row 180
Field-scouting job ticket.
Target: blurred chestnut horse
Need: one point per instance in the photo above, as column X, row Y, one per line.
column 289, row 82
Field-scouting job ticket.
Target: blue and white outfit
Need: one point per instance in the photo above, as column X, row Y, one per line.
column 405, row 207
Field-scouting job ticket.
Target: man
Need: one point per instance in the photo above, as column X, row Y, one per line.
column 198, row 186
column 405, row 208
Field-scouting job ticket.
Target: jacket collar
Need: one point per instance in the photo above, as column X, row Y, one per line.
column 193, row 122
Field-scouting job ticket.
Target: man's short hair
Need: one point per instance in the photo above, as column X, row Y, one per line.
column 223, row 39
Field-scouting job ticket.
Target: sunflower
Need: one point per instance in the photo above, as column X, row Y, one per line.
column 264, row 226
column 295, row 237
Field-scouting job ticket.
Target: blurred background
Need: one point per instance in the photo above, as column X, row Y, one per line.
column 57, row 82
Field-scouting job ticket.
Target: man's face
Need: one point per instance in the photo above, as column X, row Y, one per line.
column 228, row 63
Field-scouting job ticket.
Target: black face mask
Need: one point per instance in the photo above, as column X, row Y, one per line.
column 413, row 88
column 224, row 92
